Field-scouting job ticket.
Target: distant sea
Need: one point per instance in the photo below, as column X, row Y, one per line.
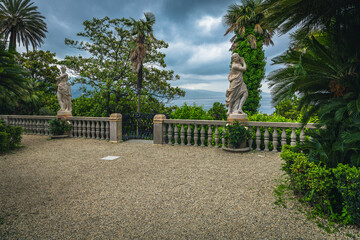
column 202, row 98
column 207, row 98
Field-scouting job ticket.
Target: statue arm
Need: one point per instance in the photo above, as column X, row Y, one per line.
column 243, row 67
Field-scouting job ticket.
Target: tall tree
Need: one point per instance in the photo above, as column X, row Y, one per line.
column 108, row 69
column 21, row 22
column 141, row 29
column 246, row 22
column 15, row 87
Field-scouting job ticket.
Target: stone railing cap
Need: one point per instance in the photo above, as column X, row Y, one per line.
column 159, row 118
column 115, row 117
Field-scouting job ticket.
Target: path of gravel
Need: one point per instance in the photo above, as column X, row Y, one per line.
column 59, row 189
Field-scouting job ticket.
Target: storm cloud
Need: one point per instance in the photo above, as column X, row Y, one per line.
column 198, row 49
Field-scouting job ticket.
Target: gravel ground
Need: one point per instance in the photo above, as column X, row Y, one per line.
column 60, row 189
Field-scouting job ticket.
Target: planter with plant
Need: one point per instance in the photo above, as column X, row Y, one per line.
column 237, row 135
column 59, row 128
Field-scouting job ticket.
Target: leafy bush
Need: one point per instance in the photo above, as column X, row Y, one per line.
column 237, row 133
column 10, row 137
column 59, row 127
column 4, row 142
column 333, row 192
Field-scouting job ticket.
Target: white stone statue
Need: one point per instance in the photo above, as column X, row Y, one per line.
column 237, row 92
column 64, row 92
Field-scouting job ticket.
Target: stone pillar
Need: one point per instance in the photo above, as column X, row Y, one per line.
column 158, row 128
column 241, row 118
column 115, row 120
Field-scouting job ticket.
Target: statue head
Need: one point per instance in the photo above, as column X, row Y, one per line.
column 235, row 57
column 63, row 69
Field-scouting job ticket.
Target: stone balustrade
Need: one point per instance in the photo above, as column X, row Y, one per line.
column 84, row 127
column 32, row 125
column 90, row 127
column 265, row 136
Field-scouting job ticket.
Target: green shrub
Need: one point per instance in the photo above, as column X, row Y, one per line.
column 58, row 127
column 4, row 142
column 333, row 192
column 10, row 137
column 348, row 184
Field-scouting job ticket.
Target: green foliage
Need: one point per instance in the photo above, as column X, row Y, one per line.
column 14, row 86
column 190, row 112
column 108, row 70
column 59, row 127
column 218, row 111
column 237, row 134
column 288, row 108
column 4, row 142
column 255, row 72
column 22, row 23
column 333, row 192
column 246, row 21
column 10, row 137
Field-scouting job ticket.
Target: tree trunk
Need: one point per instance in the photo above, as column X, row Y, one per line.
column 108, row 104
column 12, row 43
column 139, row 86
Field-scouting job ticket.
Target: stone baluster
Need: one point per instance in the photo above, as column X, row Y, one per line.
column 250, row 138
column 75, row 128
column 107, row 130
column 72, row 128
column 40, row 127
column 182, row 135
column 93, row 129
column 88, row 129
column 170, row 134
column 37, row 127
column 97, row 130
column 209, row 136
column 102, row 130
column 275, row 139
column 164, row 133
column 196, row 135
column 79, row 128
column 216, row 136
column 31, row 126
column 202, row 135
column 25, row 127
column 223, row 139
column 176, row 134
column 266, row 139
column 302, row 135
column 293, row 137
column 258, row 139
column 283, row 137
column 84, row 132
column 189, row 135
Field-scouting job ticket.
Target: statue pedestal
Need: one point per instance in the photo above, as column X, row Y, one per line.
column 63, row 115
column 241, row 118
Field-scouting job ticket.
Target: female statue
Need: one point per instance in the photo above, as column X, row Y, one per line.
column 237, row 92
column 64, row 91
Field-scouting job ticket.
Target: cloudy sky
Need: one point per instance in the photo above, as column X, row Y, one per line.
column 198, row 50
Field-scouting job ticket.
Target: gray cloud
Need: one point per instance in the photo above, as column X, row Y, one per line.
column 194, row 30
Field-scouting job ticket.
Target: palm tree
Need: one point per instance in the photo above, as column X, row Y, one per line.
column 13, row 84
column 246, row 22
column 142, row 29
column 22, row 23
column 247, row 15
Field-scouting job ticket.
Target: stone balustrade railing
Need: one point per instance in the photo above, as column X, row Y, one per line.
column 102, row 128
column 32, row 125
column 265, row 136
column 90, row 127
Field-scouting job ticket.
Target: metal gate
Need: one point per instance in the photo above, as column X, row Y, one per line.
column 137, row 126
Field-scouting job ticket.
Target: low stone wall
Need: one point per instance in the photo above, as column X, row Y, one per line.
column 211, row 133
column 102, row 128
